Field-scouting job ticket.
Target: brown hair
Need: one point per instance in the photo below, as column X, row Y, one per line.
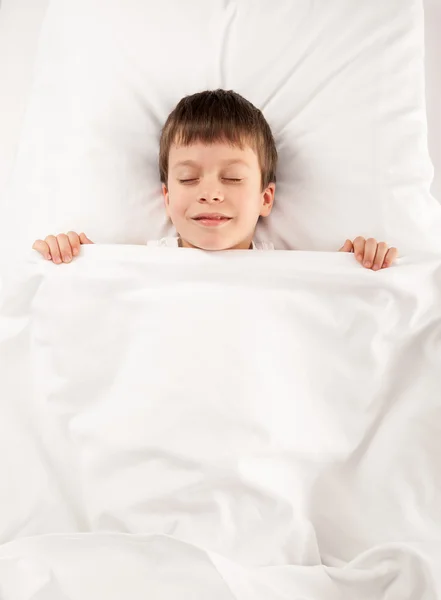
column 219, row 116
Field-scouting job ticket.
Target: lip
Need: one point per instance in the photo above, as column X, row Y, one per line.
column 211, row 219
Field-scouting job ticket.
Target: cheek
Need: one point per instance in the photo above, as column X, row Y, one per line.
column 250, row 202
column 179, row 201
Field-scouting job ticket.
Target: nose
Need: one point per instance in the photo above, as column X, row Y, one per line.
column 211, row 197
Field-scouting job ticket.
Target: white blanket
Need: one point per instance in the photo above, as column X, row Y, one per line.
column 177, row 424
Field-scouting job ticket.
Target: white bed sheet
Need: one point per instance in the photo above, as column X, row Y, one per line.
column 42, row 555
column 118, row 566
column 274, row 413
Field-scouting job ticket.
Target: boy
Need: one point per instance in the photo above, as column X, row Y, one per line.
column 217, row 164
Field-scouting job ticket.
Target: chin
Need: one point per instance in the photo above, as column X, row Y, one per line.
column 214, row 245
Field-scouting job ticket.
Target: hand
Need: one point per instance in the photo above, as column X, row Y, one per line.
column 370, row 253
column 61, row 248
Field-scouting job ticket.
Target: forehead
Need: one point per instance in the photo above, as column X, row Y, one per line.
column 217, row 154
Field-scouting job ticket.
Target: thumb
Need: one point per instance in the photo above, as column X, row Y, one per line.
column 347, row 247
column 84, row 239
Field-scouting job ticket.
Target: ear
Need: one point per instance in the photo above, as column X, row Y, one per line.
column 268, row 200
column 166, row 198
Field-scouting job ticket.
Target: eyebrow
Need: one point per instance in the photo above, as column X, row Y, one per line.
column 226, row 162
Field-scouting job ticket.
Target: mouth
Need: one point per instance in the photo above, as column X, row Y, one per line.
column 211, row 219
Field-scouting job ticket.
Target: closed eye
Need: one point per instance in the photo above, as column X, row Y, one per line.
column 225, row 178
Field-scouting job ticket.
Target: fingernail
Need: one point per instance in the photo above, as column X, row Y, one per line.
column 367, row 263
column 75, row 251
column 66, row 258
column 376, row 267
column 359, row 256
column 49, row 257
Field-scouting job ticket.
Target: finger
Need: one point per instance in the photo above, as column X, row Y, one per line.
column 347, row 246
column 390, row 258
column 84, row 239
column 51, row 241
column 370, row 250
column 65, row 248
column 359, row 245
column 74, row 240
column 42, row 248
column 379, row 256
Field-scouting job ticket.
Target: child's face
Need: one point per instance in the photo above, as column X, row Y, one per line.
column 206, row 180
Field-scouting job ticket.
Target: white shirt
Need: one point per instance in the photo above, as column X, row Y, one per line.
column 173, row 242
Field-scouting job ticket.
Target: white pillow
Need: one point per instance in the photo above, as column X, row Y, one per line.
column 432, row 25
column 341, row 84
column 20, row 25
